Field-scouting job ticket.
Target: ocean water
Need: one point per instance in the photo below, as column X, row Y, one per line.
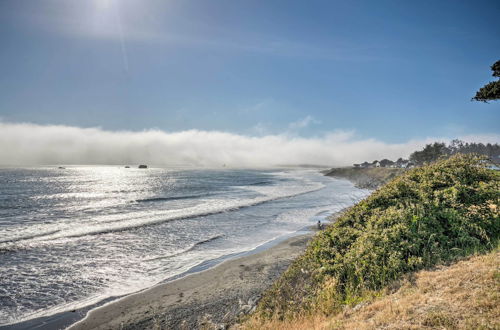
column 72, row 237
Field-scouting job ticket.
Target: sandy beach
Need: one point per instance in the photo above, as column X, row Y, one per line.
column 212, row 298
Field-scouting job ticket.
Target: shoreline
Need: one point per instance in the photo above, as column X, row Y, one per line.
column 74, row 318
column 216, row 296
column 71, row 319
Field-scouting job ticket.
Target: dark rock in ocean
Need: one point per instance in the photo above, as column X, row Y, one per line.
column 143, row 166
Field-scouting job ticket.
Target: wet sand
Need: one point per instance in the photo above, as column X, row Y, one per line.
column 213, row 298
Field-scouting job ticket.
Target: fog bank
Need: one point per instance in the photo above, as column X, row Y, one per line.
column 32, row 144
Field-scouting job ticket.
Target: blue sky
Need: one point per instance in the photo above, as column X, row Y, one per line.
column 388, row 70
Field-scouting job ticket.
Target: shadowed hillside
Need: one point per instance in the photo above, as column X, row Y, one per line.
column 366, row 178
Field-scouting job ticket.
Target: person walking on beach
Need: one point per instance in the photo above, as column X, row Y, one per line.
column 320, row 225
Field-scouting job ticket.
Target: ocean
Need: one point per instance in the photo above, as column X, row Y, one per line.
column 71, row 237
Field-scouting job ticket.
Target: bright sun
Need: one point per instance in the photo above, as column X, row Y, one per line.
column 103, row 4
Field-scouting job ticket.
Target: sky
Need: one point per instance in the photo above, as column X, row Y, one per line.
column 399, row 73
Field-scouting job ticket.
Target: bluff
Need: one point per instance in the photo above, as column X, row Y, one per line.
column 427, row 216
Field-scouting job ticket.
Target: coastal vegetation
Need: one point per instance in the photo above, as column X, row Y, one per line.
column 372, row 175
column 438, row 150
column 427, row 216
column 463, row 295
column 365, row 178
column 490, row 91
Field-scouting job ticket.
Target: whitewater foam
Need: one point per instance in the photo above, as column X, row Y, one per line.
column 120, row 222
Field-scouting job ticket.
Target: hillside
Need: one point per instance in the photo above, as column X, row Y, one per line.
column 428, row 216
column 464, row 295
column 366, row 178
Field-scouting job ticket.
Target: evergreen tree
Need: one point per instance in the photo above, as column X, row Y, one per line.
column 490, row 91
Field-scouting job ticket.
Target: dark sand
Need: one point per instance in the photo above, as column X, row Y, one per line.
column 213, row 298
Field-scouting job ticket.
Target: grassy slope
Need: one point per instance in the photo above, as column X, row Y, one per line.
column 369, row 178
column 425, row 217
column 465, row 295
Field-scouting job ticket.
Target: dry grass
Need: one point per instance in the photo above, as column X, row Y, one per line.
column 465, row 295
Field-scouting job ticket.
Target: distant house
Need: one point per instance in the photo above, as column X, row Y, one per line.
column 401, row 163
column 410, row 165
column 491, row 164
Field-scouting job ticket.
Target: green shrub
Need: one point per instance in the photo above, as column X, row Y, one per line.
column 429, row 215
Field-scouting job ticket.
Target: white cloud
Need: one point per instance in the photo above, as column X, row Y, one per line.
column 260, row 129
column 259, row 106
column 302, row 123
column 31, row 144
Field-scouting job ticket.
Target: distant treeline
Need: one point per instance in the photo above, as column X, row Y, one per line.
column 438, row 150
